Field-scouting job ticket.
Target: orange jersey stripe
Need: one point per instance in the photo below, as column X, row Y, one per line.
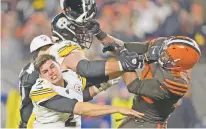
column 176, row 83
column 148, row 100
column 177, row 93
column 174, row 87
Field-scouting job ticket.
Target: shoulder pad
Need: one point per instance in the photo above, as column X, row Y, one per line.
column 42, row 90
column 42, row 84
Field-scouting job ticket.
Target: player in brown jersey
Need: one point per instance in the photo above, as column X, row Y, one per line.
column 162, row 83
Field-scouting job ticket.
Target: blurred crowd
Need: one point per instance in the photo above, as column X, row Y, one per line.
column 128, row 20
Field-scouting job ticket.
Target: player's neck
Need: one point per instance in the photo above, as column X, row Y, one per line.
column 60, row 83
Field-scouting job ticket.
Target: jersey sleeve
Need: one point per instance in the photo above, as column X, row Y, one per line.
column 62, row 49
column 67, row 48
column 176, row 85
column 150, row 88
column 42, row 91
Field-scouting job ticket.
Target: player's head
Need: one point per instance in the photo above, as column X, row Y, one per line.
column 79, row 11
column 40, row 44
column 64, row 29
column 48, row 68
column 179, row 53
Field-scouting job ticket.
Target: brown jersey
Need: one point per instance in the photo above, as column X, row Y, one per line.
column 157, row 90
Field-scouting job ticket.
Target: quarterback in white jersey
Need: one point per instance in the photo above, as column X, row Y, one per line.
column 44, row 90
column 58, row 98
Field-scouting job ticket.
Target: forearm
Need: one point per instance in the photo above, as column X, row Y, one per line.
column 129, row 77
column 113, row 69
column 60, row 104
column 138, row 47
column 26, row 112
column 88, row 109
column 110, row 39
column 98, row 68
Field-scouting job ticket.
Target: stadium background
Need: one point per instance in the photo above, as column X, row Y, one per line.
column 128, row 20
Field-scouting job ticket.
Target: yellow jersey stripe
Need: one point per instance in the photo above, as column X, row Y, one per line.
column 84, row 81
column 66, row 50
column 43, row 96
column 46, row 89
column 41, row 93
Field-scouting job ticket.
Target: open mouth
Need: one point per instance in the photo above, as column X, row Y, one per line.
column 54, row 77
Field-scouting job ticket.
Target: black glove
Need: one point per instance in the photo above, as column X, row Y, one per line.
column 111, row 47
column 130, row 61
column 94, row 28
column 153, row 54
column 23, row 125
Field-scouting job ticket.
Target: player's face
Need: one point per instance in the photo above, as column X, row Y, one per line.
column 51, row 71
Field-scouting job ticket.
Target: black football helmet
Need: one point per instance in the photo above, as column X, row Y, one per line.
column 79, row 11
column 65, row 29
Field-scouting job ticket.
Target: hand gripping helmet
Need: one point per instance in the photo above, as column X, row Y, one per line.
column 79, row 11
column 65, row 29
column 179, row 53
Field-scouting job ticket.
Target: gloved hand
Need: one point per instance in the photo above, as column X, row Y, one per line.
column 130, row 60
column 94, row 28
column 23, row 125
column 153, row 54
column 111, row 47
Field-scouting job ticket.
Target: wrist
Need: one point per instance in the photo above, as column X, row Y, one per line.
column 118, row 110
column 101, row 35
column 96, row 90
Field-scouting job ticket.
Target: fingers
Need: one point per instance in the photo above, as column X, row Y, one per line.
column 137, row 114
column 123, row 52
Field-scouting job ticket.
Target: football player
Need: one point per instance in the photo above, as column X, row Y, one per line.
column 58, row 98
column 162, row 83
column 43, row 44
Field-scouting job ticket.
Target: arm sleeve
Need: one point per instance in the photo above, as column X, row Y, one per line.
column 27, row 79
column 60, row 104
column 86, row 95
column 149, row 87
column 87, row 68
column 26, row 106
column 139, row 48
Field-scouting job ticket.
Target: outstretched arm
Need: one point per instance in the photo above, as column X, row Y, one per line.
column 97, row 68
column 66, row 105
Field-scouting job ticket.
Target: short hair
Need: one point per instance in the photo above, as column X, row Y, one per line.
column 42, row 59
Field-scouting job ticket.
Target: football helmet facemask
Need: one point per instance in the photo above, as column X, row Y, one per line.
column 64, row 29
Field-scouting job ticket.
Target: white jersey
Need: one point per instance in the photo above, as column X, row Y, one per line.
column 43, row 90
column 62, row 49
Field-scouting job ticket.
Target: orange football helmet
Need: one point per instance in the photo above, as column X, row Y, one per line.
column 179, row 53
